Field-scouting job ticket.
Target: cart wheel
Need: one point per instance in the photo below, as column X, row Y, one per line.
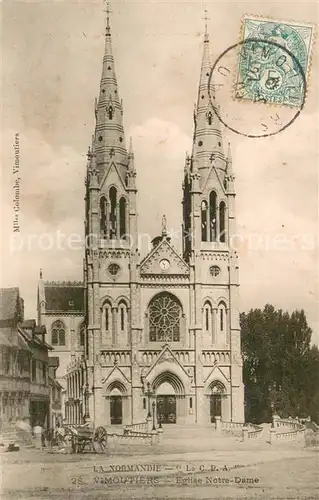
column 100, row 440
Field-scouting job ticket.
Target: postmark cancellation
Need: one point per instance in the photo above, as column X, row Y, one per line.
column 274, row 61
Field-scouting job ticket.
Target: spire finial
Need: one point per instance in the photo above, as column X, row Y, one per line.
column 108, row 12
column 206, row 18
column 41, row 274
column 164, row 226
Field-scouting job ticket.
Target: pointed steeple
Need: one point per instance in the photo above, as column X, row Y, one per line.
column 109, row 131
column 207, row 134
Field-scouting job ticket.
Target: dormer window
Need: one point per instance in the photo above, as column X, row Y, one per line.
column 210, row 118
column 110, row 112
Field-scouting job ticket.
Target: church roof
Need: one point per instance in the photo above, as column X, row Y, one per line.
column 11, row 305
column 64, row 296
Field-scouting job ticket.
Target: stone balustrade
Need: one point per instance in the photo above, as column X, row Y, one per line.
column 254, row 431
column 134, row 437
column 140, row 427
column 234, row 428
column 232, row 425
column 287, row 429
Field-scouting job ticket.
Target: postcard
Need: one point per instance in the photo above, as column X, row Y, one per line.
column 159, row 304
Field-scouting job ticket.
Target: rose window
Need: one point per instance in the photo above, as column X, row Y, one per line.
column 164, row 318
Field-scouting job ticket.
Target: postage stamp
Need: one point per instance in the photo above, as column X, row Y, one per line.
column 274, row 61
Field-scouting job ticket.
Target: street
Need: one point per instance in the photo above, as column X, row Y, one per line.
column 140, row 474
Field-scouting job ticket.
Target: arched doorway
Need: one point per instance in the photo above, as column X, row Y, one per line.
column 166, row 404
column 116, row 407
column 217, row 392
column 170, row 397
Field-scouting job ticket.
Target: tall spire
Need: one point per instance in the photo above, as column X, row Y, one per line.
column 109, row 131
column 207, row 135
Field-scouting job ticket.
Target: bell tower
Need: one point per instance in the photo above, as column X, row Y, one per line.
column 209, row 222
column 111, row 233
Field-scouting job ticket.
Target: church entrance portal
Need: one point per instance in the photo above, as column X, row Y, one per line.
column 166, row 409
column 166, row 404
column 116, row 410
column 215, row 406
column 217, row 393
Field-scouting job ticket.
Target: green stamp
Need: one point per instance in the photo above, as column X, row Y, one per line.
column 274, row 61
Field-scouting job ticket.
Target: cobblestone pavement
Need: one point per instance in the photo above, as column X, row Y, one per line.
column 216, row 474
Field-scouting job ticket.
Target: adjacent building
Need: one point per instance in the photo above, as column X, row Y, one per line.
column 163, row 328
column 24, row 385
column 15, row 359
column 60, row 308
column 56, row 410
column 39, row 403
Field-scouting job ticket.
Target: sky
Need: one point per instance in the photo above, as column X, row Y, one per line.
column 52, row 60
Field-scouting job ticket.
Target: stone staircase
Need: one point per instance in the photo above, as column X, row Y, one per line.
column 199, row 437
column 11, row 436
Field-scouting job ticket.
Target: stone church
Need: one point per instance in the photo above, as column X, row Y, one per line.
column 161, row 333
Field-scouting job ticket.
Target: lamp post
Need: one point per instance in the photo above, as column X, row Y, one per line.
column 86, row 404
column 149, row 393
column 153, row 408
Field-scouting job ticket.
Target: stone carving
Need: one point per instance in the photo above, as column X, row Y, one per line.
column 214, row 255
column 150, row 265
column 114, row 254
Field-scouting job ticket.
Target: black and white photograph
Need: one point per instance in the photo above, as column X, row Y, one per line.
column 159, row 323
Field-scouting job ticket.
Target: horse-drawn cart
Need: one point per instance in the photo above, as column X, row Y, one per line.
column 83, row 437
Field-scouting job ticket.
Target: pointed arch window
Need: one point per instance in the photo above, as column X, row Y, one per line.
column 213, row 216
column 113, row 221
column 208, row 317
column 58, row 333
column 204, row 213
column 210, row 118
column 222, row 322
column 107, row 324
column 123, row 320
column 222, row 217
column 122, row 217
column 165, row 313
column 103, row 215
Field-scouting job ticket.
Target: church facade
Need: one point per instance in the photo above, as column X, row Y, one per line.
column 162, row 332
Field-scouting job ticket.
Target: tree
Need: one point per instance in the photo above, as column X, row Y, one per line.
column 280, row 367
